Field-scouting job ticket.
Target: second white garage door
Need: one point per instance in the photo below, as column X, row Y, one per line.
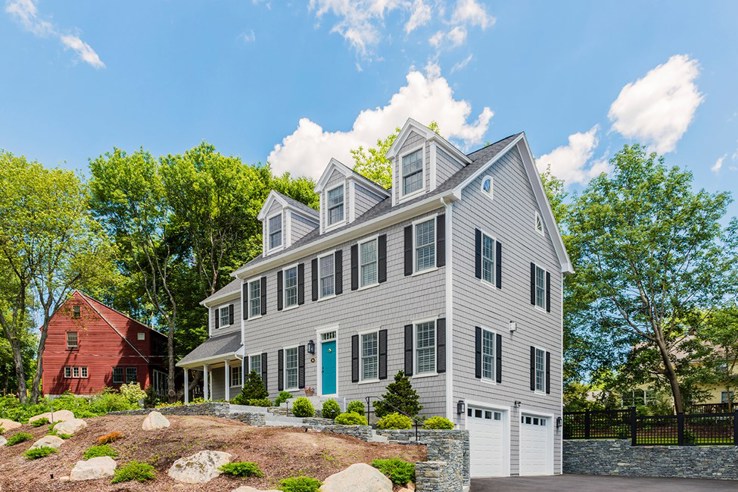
column 488, row 446
column 536, row 445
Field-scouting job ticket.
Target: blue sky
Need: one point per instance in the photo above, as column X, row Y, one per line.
column 298, row 82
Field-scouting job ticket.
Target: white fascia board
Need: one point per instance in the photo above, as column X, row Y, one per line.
column 218, row 299
column 273, row 195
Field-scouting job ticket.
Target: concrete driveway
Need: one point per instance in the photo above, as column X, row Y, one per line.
column 589, row 483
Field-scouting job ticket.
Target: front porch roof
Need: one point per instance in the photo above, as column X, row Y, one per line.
column 213, row 350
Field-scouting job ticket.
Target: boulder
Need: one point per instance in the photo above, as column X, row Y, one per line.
column 3, row 441
column 9, row 425
column 155, row 420
column 408, row 488
column 48, row 441
column 70, row 427
column 58, row 416
column 93, row 469
column 246, row 488
column 358, row 477
column 200, row 467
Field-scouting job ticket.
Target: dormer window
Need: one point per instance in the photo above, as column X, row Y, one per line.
column 335, row 205
column 275, row 231
column 412, row 172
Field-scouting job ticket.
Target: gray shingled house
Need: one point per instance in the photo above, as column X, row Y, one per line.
column 454, row 276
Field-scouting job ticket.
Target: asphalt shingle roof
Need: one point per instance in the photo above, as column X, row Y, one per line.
column 231, row 288
column 214, row 347
column 311, row 212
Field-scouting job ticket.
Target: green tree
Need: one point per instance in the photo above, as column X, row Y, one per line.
column 253, row 389
column 399, row 397
column 650, row 252
column 720, row 334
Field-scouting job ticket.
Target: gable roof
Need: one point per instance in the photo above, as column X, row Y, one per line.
column 233, row 287
column 429, row 135
column 287, row 202
column 214, row 347
column 348, row 173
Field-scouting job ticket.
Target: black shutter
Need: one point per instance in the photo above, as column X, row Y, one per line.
column 230, row 314
column 408, row 350
column 548, row 372
column 408, row 250
column 280, row 291
column 533, row 283
column 217, row 318
column 441, row 345
column 245, row 300
column 548, row 292
column 264, row 370
column 354, row 267
column 301, row 366
column 478, row 352
column 382, row 258
column 532, row 368
column 301, row 283
column 314, row 277
column 339, row 271
column 263, row 296
column 382, row 354
column 441, row 240
column 498, row 367
column 354, row 358
column 477, row 253
column 280, row 369
column 498, row 265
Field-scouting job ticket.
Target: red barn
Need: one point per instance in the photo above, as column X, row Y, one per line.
column 91, row 346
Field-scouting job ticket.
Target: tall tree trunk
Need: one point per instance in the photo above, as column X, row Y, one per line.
column 670, row 373
column 171, row 387
column 36, row 384
column 20, row 372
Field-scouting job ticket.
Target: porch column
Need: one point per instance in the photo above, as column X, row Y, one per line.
column 186, row 386
column 206, row 382
column 227, row 381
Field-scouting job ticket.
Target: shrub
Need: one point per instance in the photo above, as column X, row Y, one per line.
column 330, row 409
column 283, row 397
column 395, row 421
column 18, row 438
column 110, row 437
column 401, row 472
column 36, row 453
column 134, row 470
column 253, row 389
column 356, row 406
column 133, row 393
column 40, row 422
column 97, row 451
column 260, row 402
column 111, row 402
column 242, row 469
column 438, row 423
column 303, row 408
column 351, row 418
column 400, row 397
column 299, row 484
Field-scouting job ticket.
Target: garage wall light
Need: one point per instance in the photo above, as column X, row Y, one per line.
column 513, row 326
column 461, row 407
column 517, row 403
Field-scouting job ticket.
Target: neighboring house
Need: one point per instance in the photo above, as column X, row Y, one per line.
column 91, row 347
column 453, row 276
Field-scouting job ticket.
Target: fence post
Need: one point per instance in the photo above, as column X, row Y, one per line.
column 587, row 424
column 680, row 429
column 633, row 426
column 735, row 427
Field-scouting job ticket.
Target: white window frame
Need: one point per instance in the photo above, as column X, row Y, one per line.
column 249, row 363
column 75, row 372
column 416, row 367
column 433, row 218
column 537, row 220
column 76, row 337
column 493, row 280
column 287, row 387
column 493, row 378
column 328, row 224
column 141, row 336
column 491, row 193
column 326, row 334
column 374, row 239
column 238, row 369
column 362, row 378
column 67, row 372
column 543, row 287
column 84, row 372
column 401, row 166
column 322, row 297
column 285, row 306
column 541, row 391
column 249, row 299
column 269, row 247
column 220, row 317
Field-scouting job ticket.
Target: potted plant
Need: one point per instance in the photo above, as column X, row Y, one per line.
column 309, row 391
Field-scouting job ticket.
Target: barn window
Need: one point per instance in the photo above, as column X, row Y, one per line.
column 76, row 311
column 141, row 335
column 67, row 372
column 84, row 372
column 72, row 342
column 131, row 375
column 117, row 375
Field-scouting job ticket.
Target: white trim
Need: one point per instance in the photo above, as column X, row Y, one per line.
column 429, row 135
column 506, row 419
column 491, row 193
column 343, row 221
column 536, row 219
column 402, row 197
column 267, row 249
column 211, row 360
column 449, row 313
column 248, row 298
column 492, row 380
column 361, row 352
column 427, row 218
column 248, row 361
column 535, row 372
column 219, row 308
column 287, row 226
column 376, row 261
column 435, row 347
column 319, row 356
column 432, row 166
column 550, row 432
column 226, row 380
column 352, row 200
column 285, row 307
column 320, row 290
column 535, row 287
column 348, row 173
column 492, row 283
column 284, row 368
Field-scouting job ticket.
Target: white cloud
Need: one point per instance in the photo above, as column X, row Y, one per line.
column 457, row 36
column 718, row 164
column 570, row 162
column 462, row 64
column 426, row 97
column 451, row 39
column 437, row 39
column 470, row 12
column 247, row 37
column 420, row 16
column 25, row 13
column 658, row 108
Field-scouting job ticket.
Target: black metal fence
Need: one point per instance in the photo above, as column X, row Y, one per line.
column 654, row 430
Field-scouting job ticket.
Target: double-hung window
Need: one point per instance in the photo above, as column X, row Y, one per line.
column 224, row 317
column 255, row 364
column 75, row 372
column 327, row 275
column 67, row 372
column 540, row 287
column 290, row 368
column 425, row 245
column 131, row 375
column 255, row 298
column 488, row 259
column 335, row 205
column 118, row 375
column 369, row 356
column 412, row 172
column 72, row 341
column 425, row 347
column 290, row 287
column 236, row 372
column 540, row 369
column 488, row 355
column 275, row 231
column 368, row 263
column 83, row 372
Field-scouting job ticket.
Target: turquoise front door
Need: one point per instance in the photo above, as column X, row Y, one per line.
column 328, row 362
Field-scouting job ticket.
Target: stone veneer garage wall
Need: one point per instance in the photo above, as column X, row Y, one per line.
column 618, row 457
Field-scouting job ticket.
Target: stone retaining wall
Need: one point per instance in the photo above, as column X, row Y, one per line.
column 618, row 457
column 214, row 409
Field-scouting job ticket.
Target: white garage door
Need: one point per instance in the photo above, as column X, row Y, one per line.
column 488, row 447
column 536, row 448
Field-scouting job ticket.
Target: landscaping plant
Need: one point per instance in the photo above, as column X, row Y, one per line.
column 401, row 472
column 299, row 484
column 134, row 470
column 253, row 389
column 261, row 402
column 283, row 397
column 40, row 422
column 438, row 423
column 356, row 406
column 101, row 450
column 18, row 438
column 350, row 418
column 242, row 469
column 399, row 397
column 395, row 421
column 133, row 393
column 330, row 409
column 303, row 408
column 36, row 453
